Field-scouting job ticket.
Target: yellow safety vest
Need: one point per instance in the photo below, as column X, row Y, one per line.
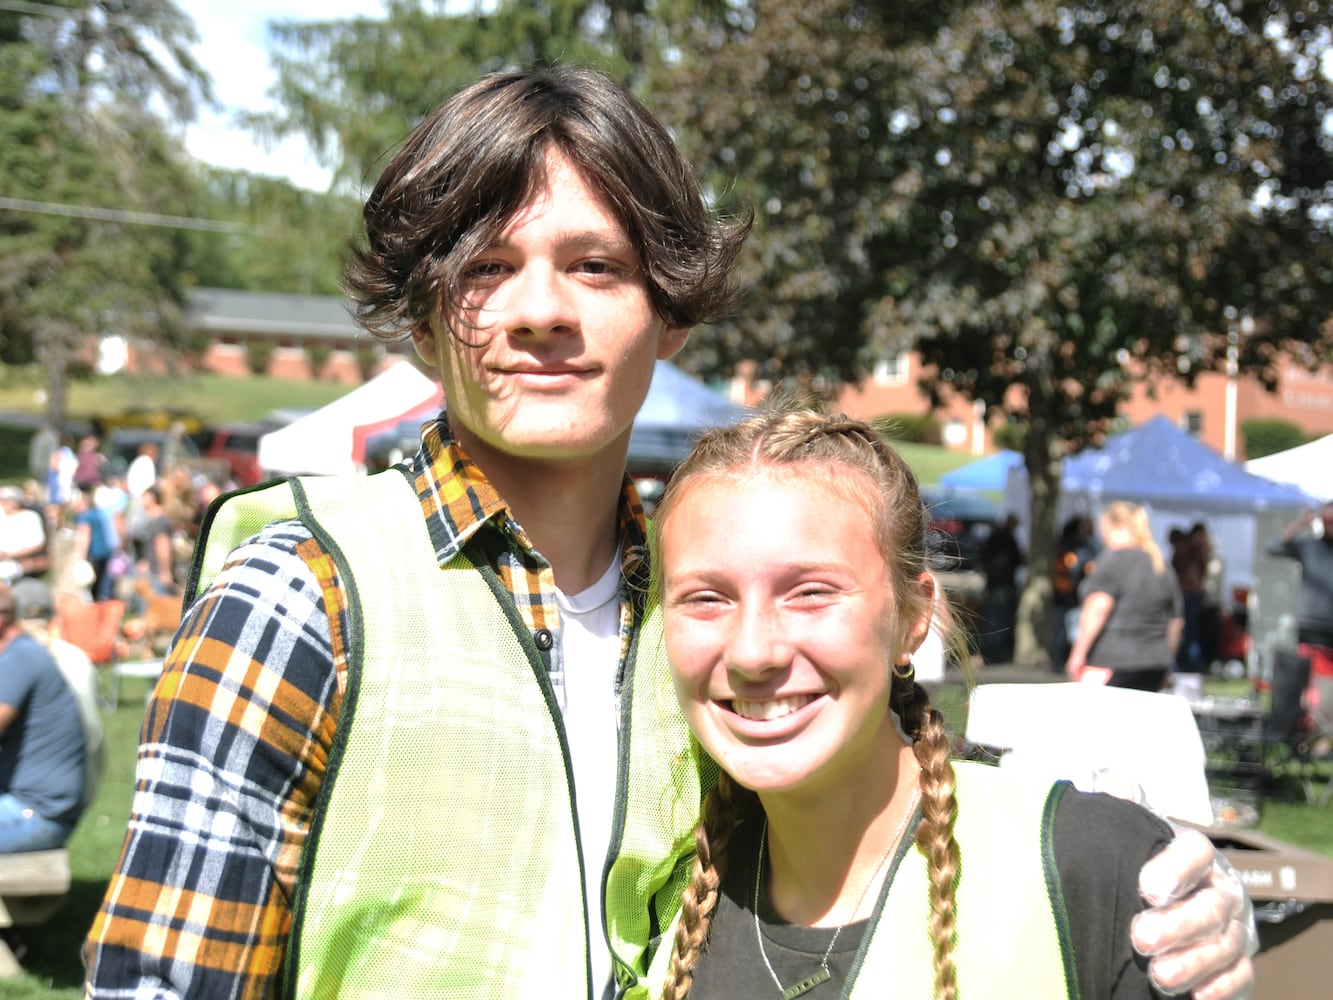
column 443, row 857
column 1012, row 931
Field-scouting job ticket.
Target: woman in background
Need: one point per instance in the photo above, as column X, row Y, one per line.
column 1131, row 616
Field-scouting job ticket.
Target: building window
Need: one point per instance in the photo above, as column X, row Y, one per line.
column 1193, row 422
column 891, row 369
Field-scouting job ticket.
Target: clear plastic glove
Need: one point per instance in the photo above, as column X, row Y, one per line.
column 1200, row 932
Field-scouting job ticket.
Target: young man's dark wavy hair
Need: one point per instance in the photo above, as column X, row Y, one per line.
column 475, row 161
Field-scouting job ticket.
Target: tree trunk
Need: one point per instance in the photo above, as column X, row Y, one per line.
column 54, row 358
column 1042, row 455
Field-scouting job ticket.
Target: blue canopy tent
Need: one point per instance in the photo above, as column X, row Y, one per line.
column 989, row 473
column 1179, row 480
column 1158, row 464
column 677, row 410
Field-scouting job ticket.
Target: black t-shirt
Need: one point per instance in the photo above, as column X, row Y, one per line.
column 1100, row 843
column 1135, row 633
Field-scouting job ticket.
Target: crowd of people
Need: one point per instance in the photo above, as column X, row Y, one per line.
column 102, row 533
column 1094, row 563
column 83, row 530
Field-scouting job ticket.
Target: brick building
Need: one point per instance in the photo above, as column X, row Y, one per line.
column 314, row 336
column 1213, row 409
column 299, row 336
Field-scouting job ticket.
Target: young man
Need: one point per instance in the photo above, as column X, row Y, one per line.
column 358, row 774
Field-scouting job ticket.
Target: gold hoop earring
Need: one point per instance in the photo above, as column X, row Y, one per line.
column 904, row 671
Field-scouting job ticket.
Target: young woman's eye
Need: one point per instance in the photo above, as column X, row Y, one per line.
column 814, row 591
column 696, row 598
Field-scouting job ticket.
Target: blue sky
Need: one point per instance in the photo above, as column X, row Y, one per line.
column 232, row 48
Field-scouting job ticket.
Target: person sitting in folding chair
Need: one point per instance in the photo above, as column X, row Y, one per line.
column 43, row 750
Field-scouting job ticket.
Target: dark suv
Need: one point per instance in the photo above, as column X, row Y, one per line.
column 960, row 523
column 122, row 444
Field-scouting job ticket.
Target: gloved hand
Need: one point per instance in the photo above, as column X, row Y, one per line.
column 1200, row 932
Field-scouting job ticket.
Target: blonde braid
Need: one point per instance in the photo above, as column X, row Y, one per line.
column 722, row 807
column 935, row 835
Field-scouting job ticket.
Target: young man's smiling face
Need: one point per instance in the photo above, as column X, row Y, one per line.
column 555, row 351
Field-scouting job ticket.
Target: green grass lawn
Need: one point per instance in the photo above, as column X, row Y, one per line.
column 53, row 966
column 214, row 399
column 929, row 462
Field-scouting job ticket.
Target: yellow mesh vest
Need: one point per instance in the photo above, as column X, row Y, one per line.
column 1011, row 936
column 444, row 857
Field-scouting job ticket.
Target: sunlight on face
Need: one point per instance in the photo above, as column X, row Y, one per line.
column 780, row 628
column 561, row 337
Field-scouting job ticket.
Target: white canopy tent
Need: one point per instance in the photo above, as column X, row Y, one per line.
column 321, row 443
column 1309, row 466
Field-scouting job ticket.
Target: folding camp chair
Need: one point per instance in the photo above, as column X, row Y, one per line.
column 94, row 626
column 1090, row 734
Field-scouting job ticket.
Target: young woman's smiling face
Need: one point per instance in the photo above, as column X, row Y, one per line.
column 780, row 627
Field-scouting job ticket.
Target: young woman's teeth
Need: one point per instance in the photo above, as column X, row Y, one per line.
column 767, row 711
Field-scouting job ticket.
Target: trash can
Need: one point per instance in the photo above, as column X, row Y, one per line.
column 1292, row 889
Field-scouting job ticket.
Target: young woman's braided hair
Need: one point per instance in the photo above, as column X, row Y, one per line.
column 826, row 447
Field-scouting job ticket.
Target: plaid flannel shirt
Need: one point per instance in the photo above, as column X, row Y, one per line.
column 236, row 739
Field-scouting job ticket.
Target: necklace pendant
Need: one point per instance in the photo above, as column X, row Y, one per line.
column 807, row 984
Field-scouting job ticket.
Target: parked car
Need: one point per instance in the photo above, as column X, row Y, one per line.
column 149, row 417
column 122, row 444
column 960, row 523
column 238, row 446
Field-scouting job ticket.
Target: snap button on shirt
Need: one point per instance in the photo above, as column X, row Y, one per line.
column 544, row 639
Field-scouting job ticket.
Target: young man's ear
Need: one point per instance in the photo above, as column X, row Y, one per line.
column 423, row 342
column 672, row 340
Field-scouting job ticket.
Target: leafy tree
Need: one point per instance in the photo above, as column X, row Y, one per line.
column 1269, row 436
column 355, row 88
column 86, row 165
column 1044, row 195
column 1047, row 199
column 283, row 238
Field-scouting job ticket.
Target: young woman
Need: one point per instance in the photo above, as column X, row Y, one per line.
column 843, row 852
column 1131, row 619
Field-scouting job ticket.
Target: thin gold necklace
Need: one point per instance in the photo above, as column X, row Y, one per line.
column 822, row 974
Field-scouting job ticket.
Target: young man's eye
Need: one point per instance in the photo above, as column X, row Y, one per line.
column 600, row 266
column 484, row 270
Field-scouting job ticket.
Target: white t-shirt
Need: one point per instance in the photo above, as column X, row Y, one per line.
column 141, row 474
column 21, row 530
column 591, row 647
